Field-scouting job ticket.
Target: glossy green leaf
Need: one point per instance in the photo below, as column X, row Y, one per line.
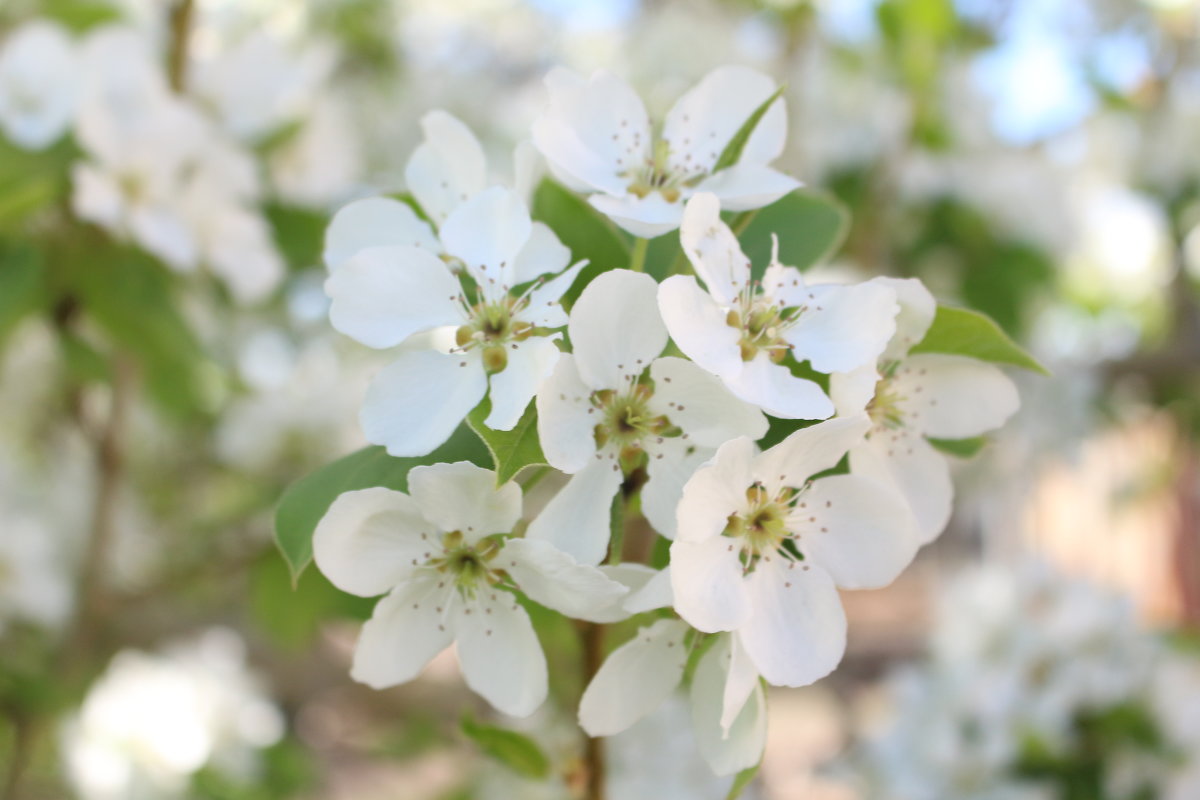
column 22, row 286
column 962, row 448
column 513, row 450
column 514, row 750
column 583, row 229
column 959, row 331
column 733, row 151
column 811, row 226
column 307, row 500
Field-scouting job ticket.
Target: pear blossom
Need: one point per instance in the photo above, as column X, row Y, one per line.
column 741, row 329
column 910, row 397
column 38, row 84
column 761, row 548
column 441, row 555
column 597, row 138
column 485, row 334
column 613, row 406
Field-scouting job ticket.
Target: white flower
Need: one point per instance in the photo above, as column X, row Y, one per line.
column 439, row 553
column 613, row 405
column 492, row 336
column 597, row 138
column 741, row 329
column 728, row 703
column 319, row 164
column 38, row 84
column 909, row 397
column 151, row 721
column 761, row 547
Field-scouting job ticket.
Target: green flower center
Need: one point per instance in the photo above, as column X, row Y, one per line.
column 626, row 419
column 761, row 324
column 468, row 564
column 491, row 326
column 762, row 528
column 884, row 408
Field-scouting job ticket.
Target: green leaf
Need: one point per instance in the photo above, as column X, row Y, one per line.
column 733, row 151
column 22, row 286
column 514, row 750
column 306, row 501
column 962, row 448
column 512, row 450
column 299, row 232
column 741, row 781
column 583, row 229
column 959, row 331
column 810, row 225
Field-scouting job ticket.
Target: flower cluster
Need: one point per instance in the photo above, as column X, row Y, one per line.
column 647, row 394
column 1038, row 685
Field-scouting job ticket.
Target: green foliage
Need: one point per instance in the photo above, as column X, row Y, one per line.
column 958, row 331
column 733, row 151
column 512, row 450
column 30, row 182
column 514, row 750
column 583, row 229
column 299, row 233
column 291, row 612
column 307, row 500
column 22, row 285
column 80, row 15
column 741, row 781
column 811, row 226
column 962, row 448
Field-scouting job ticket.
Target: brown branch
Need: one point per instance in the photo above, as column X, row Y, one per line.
column 594, row 755
column 177, row 56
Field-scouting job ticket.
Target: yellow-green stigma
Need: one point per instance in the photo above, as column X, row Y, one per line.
column 626, row 419
column 492, row 327
column 761, row 325
column 467, row 563
column 762, row 528
column 884, row 408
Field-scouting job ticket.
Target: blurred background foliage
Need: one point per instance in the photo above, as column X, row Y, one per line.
column 1037, row 160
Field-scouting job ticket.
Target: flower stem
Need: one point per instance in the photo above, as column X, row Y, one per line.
column 637, row 260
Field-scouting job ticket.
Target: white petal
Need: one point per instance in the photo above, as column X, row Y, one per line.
column 487, row 232
column 447, row 168
column 917, row 309
column 576, row 520
column 415, row 403
column 740, row 745
column 700, row 404
column 556, row 580
column 645, row 217
column 703, row 120
column 464, row 497
column 405, row 631
column 905, row 460
column 653, row 594
column 697, row 324
column 739, row 683
column 796, row 631
column 715, row 491
column 778, row 392
column 809, row 451
column 96, row 196
column 528, row 169
column 852, row 391
column 857, row 529
column 706, row 578
column 845, row 327
column 369, row 540
column 594, row 129
column 38, row 69
column 635, row 679
column 162, row 231
column 747, row 186
column 565, row 428
column 635, row 578
column 383, row 295
column 953, row 397
column 375, row 222
column 713, row 250
column 670, row 466
column 500, row 655
column 615, row 328
column 542, row 254
column 544, row 309
column 529, row 363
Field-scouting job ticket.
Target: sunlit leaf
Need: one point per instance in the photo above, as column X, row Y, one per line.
column 511, row 450
column 514, row 750
column 733, row 151
column 811, row 226
column 959, row 331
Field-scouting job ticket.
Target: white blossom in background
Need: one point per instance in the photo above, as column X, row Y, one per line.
column 598, row 411
column 151, row 721
column 35, row 579
column 740, row 329
column 761, row 549
column 597, row 138
column 485, row 336
column 910, row 397
column 441, row 555
column 319, row 164
column 38, row 84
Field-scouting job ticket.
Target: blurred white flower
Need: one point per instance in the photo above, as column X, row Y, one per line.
column 321, row 162
column 35, row 581
column 38, row 84
column 151, row 721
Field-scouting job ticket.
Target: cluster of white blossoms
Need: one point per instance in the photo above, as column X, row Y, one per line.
column 175, row 170
column 647, row 395
column 1030, row 668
